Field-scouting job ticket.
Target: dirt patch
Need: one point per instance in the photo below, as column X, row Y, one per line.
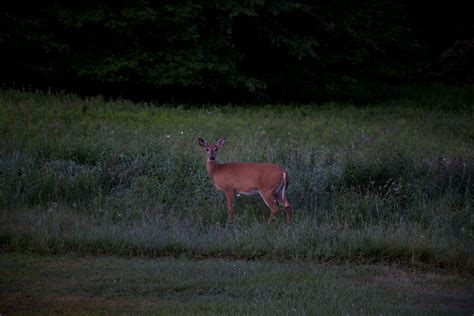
column 18, row 303
column 431, row 291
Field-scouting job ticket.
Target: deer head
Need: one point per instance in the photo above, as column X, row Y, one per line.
column 211, row 149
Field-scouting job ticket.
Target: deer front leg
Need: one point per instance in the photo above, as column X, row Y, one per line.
column 229, row 195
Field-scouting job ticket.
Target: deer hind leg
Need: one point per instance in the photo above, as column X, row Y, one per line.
column 282, row 199
column 268, row 198
column 229, row 195
column 286, row 204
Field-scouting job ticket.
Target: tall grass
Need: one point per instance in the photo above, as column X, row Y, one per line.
column 392, row 181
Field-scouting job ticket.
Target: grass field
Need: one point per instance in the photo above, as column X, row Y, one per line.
column 386, row 183
column 108, row 285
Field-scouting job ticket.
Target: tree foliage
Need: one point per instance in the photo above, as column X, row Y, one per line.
column 192, row 45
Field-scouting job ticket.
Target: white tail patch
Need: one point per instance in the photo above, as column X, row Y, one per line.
column 284, row 185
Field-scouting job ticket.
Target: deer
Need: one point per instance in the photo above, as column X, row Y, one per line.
column 249, row 178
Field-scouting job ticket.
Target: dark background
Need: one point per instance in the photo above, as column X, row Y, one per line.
column 235, row 51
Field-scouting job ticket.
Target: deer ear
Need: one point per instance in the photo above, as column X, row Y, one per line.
column 202, row 142
column 220, row 142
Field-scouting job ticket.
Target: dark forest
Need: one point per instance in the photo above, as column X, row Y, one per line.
column 229, row 51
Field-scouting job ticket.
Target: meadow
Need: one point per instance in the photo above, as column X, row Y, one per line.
column 390, row 182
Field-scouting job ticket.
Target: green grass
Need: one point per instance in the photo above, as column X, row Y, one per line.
column 389, row 182
column 90, row 285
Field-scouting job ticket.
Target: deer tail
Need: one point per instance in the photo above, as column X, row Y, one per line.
column 283, row 186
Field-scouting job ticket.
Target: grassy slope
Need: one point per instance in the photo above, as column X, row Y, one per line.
column 77, row 285
column 389, row 182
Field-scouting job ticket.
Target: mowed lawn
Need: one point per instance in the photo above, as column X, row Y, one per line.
column 70, row 284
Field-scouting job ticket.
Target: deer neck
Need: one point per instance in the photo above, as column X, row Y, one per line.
column 211, row 166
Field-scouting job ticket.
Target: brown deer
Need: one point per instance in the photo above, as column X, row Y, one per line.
column 268, row 180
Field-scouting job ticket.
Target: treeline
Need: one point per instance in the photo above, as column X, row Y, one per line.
column 226, row 49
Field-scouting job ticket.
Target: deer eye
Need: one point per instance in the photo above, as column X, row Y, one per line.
column 215, row 149
column 207, row 149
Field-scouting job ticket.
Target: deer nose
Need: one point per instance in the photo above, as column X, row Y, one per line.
column 212, row 158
